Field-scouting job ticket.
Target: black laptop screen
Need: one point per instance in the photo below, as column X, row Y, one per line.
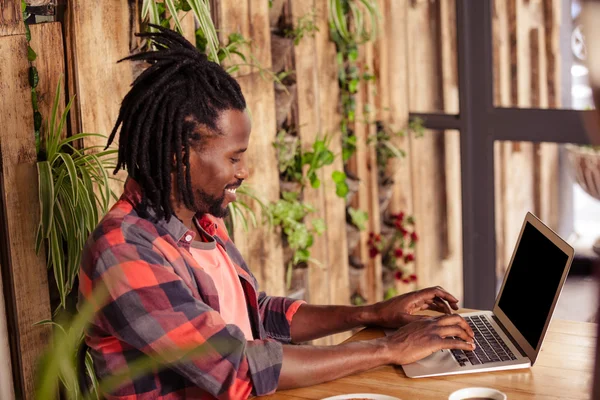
column 530, row 288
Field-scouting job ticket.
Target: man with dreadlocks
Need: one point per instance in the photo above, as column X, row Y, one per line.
column 176, row 281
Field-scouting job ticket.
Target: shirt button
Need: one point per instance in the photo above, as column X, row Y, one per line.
column 188, row 238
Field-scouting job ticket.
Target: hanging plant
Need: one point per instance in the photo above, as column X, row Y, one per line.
column 70, row 207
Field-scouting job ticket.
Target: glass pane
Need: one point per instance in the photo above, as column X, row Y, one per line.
column 540, row 54
column 561, row 185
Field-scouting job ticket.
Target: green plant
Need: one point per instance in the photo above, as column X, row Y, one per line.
column 382, row 139
column 351, row 24
column 359, row 218
column 70, row 206
column 289, row 213
column 151, row 11
column 292, row 161
column 305, row 26
column 241, row 211
column 348, row 20
column 236, row 42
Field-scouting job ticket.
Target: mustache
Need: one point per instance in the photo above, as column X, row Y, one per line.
column 235, row 185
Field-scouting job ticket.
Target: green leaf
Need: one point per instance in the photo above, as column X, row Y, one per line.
column 51, row 138
column 391, row 292
column 359, row 218
column 201, row 9
column 173, row 11
column 34, row 77
column 72, row 173
column 34, row 99
column 46, row 196
column 315, row 182
column 37, row 120
column 146, row 8
column 31, row 56
column 319, row 225
column 39, row 240
column 56, row 258
column 338, row 176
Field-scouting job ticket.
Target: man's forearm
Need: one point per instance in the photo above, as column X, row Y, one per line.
column 313, row 322
column 311, row 365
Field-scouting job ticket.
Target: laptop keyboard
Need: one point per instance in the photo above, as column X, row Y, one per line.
column 490, row 346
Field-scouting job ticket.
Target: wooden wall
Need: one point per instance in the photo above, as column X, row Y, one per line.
column 24, row 278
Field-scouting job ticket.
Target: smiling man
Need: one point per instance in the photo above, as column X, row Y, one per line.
column 175, row 279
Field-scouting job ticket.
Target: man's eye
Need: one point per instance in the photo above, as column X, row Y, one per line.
column 235, row 160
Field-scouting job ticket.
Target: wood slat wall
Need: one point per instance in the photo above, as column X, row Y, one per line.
column 96, row 74
column 24, row 272
column 435, row 173
column 261, row 247
column 308, row 125
column 334, row 206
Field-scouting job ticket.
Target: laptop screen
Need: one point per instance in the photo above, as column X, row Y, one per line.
column 532, row 283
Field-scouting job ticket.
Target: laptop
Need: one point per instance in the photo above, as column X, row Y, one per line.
column 511, row 335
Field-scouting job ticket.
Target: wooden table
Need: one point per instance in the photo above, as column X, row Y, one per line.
column 563, row 371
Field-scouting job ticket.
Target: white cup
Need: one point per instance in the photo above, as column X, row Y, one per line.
column 469, row 393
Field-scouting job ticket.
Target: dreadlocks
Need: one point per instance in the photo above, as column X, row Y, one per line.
column 160, row 116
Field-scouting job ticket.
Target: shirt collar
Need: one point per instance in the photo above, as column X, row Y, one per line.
column 177, row 229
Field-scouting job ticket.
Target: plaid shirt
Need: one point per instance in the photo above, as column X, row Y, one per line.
column 161, row 300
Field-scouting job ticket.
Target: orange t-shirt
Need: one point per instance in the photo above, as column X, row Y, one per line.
column 216, row 263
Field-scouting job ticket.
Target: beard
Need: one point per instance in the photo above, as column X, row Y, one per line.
column 211, row 204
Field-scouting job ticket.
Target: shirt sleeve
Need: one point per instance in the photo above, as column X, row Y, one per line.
column 151, row 309
column 276, row 315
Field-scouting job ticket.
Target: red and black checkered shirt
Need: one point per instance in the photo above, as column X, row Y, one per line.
column 161, row 300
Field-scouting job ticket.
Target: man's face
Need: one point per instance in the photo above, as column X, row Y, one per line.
column 218, row 166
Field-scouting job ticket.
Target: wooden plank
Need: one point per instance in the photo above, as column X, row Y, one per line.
column 262, row 248
column 517, row 163
column 502, row 96
column 391, row 70
column 46, row 41
column 363, row 164
column 11, row 18
column 395, row 13
column 427, row 153
column 548, row 162
column 188, row 23
column 24, row 272
column 96, row 72
column 6, row 377
column 335, row 207
column 74, row 121
column 233, row 16
column 452, row 262
column 309, row 128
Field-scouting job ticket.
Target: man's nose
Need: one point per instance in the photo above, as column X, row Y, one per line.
column 242, row 172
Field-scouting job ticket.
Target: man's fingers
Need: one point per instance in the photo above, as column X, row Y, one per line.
column 449, row 343
column 436, row 306
column 455, row 319
column 444, row 307
column 454, row 331
column 443, row 295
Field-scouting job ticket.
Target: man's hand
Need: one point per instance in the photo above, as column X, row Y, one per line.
column 400, row 310
column 424, row 337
